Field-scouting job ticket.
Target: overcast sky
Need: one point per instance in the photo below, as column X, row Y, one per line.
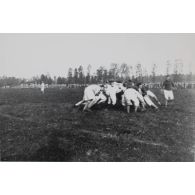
column 27, row 55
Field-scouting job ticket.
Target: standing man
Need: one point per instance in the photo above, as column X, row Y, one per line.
column 168, row 90
column 42, row 87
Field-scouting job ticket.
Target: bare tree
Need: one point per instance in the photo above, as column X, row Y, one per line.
column 145, row 75
column 168, row 68
column 124, row 71
column 76, row 75
column 89, row 69
column 139, row 72
column 114, row 70
column 70, row 76
column 154, row 68
column 131, row 72
column 81, row 74
column 100, row 73
column 176, row 71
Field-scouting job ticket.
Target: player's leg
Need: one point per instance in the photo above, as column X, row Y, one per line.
column 141, row 100
column 136, row 104
column 171, row 96
column 151, row 94
column 166, row 95
column 93, row 102
column 128, row 109
column 113, row 98
column 90, row 98
column 109, row 100
column 123, row 100
column 86, row 106
column 128, row 104
column 79, row 103
column 102, row 98
column 149, row 102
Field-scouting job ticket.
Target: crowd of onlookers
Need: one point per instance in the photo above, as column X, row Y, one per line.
column 179, row 85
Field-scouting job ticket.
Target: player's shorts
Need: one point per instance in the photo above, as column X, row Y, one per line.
column 131, row 101
column 130, row 96
column 127, row 101
column 136, row 102
column 168, row 94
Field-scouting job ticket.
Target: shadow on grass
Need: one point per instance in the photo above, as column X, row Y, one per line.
column 51, row 152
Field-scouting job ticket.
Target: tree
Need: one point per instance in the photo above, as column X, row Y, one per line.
column 70, row 77
column 131, row 75
column 76, row 75
column 59, row 80
column 88, row 77
column 49, row 80
column 168, row 67
column 55, row 80
column 145, row 76
column 9, row 81
column 81, row 74
column 139, row 76
column 89, row 69
column 114, row 70
column 124, row 71
column 154, row 67
column 43, row 78
column 176, row 73
column 105, row 75
column 100, row 72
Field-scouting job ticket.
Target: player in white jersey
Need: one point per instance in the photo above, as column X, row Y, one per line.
column 111, row 90
column 152, row 95
column 147, row 95
column 131, row 95
column 92, row 94
column 43, row 87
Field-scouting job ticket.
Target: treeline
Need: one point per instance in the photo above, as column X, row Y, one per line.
column 123, row 72
column 116, row 72
column 11, row 81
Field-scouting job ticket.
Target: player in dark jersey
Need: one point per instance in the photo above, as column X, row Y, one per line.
column 168, row 86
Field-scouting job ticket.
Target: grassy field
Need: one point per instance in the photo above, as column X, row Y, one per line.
column 36, row 127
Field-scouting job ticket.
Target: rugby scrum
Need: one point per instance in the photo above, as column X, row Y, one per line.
column 128, row 94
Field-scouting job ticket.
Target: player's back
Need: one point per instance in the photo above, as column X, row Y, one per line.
column 130, row 92
column 94, row 88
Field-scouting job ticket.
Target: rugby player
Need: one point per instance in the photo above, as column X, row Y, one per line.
column 168, row 86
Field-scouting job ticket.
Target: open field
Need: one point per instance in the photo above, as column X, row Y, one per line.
column 36, row 127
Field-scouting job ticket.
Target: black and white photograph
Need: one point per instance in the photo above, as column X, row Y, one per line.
column 97, row 97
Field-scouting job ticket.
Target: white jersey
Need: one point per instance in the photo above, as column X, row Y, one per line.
column 42, row 87
column 90, row 92
column 95, row 88
column 132, row 95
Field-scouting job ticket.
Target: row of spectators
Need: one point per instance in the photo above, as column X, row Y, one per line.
column 179, row 85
